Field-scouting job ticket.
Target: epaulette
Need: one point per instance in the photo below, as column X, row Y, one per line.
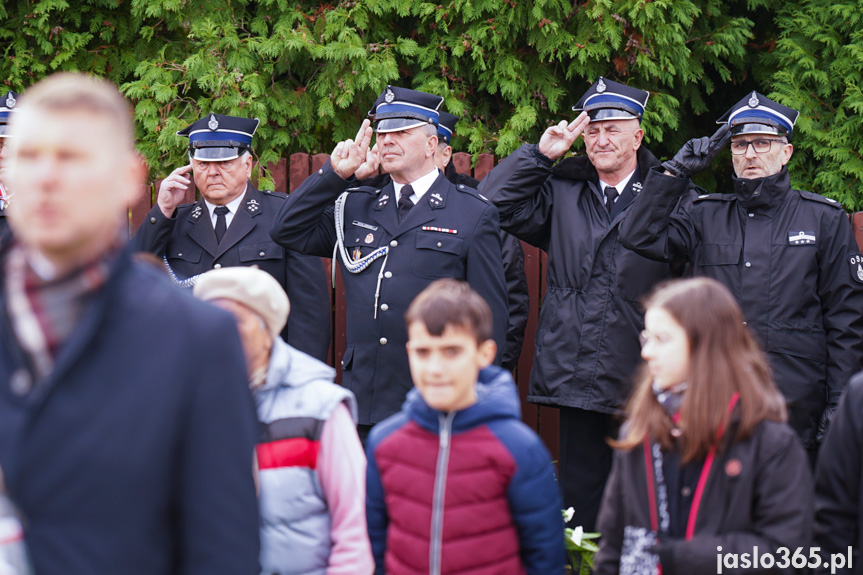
column 472, row 192
column 273, row 194
column 715, row 197
column 819, row 198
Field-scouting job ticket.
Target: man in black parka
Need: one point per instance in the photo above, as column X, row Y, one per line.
column 788, row 256
column 587, row 347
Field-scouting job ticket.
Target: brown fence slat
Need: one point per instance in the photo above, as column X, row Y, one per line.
column 139, row 208
column 484, row 164
column 318, row 161
column 857, row 222
column 298, row 171
column 461, row 162
column 280, row 175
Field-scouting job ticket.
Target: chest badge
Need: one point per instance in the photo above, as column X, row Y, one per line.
column 802, row 238
column 357, row 254
column 369, row 238
column 856, row 262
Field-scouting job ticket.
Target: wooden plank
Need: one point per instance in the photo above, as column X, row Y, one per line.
column 298, row 170
column 280, row 175
column 139, row 207
column 484, row 164
column 857, row 222
column 461, row 162
column 318, row 161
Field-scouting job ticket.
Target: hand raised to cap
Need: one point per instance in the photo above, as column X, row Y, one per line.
column 369, row 168
column 557, row 140
column 349, row 155
column 696, row 155
column 172, row 190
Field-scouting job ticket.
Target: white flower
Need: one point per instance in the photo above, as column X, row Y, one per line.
column 567, row 515
column 576, row 535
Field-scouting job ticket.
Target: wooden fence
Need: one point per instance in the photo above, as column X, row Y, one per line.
column 289, row 173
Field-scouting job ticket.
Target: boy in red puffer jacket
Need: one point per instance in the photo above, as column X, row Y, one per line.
column 456, row 483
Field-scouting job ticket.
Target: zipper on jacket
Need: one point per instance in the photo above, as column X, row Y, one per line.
column 439, row 493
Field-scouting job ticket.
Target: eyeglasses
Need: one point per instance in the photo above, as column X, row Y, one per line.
column 761, row 146
column 646, row 337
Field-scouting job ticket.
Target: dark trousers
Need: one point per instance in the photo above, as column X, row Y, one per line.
column 585, row 461
column 363, row 431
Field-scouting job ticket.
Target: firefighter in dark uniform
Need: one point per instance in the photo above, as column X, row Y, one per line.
column 788, row 256
column 391, row 242
column 230, row 224
column 587, row 348
column 7, row 105
column 512, row 255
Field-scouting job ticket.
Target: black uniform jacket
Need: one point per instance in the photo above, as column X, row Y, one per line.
column 587, row 347
column 839, row 483
column 517, row 296
column 758, row 494
column 450, row 233
column 791, row 261
column 189, row 243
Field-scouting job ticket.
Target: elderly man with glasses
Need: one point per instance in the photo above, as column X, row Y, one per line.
column 788, row 256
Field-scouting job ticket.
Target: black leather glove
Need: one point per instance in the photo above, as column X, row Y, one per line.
column 696, row 154
column 827, row 416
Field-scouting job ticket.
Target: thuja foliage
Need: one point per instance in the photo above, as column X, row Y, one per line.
column 819, row 71
column 509, row 68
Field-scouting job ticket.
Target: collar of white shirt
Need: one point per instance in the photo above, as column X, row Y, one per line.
column 619, row 187
column 232, row 206
column 420, row 186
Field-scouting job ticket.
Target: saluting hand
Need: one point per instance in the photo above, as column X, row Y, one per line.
column 369, row 168
column 351, row 154
column 172, row 190
column 557, row 140
column 696, row 155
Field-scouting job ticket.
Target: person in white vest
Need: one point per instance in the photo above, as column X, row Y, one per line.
column 310, row 462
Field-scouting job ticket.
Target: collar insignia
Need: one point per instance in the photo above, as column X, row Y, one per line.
column 384, row 200
column 252, row 206
column 196, row 212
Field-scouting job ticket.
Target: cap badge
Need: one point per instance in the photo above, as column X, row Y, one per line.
column 600, row 86
column 753, row 101
column 213, row 124
column 389, row 96
column 10, row 101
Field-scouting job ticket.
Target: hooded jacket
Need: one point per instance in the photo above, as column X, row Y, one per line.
column 466, row 492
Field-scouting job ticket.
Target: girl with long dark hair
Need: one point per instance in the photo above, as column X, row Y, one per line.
column 706, row 469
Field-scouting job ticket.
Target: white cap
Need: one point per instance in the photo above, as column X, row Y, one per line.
column 251, row 287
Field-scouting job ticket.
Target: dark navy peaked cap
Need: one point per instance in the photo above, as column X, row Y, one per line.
column 216, row 138
column 446, row 126
column 7, row 105
column 758, row 114
column 399, row 109
column 609, row 100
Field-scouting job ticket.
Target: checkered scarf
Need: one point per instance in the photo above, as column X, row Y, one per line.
column 44, row 312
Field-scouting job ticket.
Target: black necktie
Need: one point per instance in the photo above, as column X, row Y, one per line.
column 405, row 203
column 221, row 222
column 610, row 195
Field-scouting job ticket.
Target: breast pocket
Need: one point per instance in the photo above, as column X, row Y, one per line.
column 438, row 256
column 258, row 252
column 720, row 254
column 189, row 255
